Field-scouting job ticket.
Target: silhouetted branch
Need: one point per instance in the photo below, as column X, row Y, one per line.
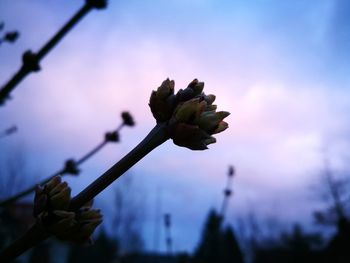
column 227, row 191
column 168, row 239
column 188, row 118
column 35, row 235
column 71, row 166
column 10, row 37
column 31, row 61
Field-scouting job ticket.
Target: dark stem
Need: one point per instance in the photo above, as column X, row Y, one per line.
column 60, row 172
column 35, row 234
column 31, row 238
column 63, row 31
column 24, row 70
column 91, row 153
column 223, row 207
column 29, row 190
column 226, row 198
column 156, row 137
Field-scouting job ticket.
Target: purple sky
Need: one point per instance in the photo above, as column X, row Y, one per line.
column 279, row 67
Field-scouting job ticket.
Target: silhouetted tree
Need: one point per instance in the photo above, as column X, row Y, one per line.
column 217, row 245
column 127, row 216
column 104, row 250
column 231, row 251
column 336, row 196
column 294, row 246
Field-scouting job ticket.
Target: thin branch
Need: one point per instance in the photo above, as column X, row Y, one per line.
column 227, row 192
column 36, row 234
column 31, row 61
column 70, row 168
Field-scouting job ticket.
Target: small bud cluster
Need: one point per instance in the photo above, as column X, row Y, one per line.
column 71, row 167
column 128, row 120
column 51, row 208
column 191, row 115
column 112, row 136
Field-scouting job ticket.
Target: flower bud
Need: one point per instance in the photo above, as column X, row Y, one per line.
column 194, row 89
column 11, row 36
column 195, row 118
column 231, row 171
column 112, row 136
column 55, row 195
column 62, row 223
column 127, row 119
column 227, row 192
column 71, row 167
column 51, row 204
column 163, row 101
column 87, row 221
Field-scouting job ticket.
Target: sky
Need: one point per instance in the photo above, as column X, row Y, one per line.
column 279, row 67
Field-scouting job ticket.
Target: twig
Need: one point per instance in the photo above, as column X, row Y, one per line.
column 63, row 171
column 31, row 61
column 36, row 234
column 227, row 192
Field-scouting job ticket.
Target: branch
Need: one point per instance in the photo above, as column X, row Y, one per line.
column 31, row 60
column 36, row 234
column 71, row 167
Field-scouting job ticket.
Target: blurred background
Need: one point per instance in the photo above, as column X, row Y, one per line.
column 279, row 67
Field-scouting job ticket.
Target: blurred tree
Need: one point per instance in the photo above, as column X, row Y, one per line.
column 128, row 215
column 209, row 246
column 230, row 249
column 294, row 246
column 336, row 196
column 217, row 245
column 13, row 171
column 104, row 250
column 16, row 218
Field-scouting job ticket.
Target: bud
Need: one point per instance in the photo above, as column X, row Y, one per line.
column 127, row 119
column 231, row 171
column 30, row 61
column 112, row 136
column 88, row 220
column 98, row 4
column 61, row 225
column 71, row 167
column 51, row 204
column 227, row 192
column 190, row 136
column 195, row 120
column 163, row 101
column 11, row 36
column 193, row 89
column 55, row 195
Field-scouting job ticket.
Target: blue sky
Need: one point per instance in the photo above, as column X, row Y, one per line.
column 279, row 67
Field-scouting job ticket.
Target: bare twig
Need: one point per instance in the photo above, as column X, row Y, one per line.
column 31, row 61
column 36, row 234
column 70, row 167
column 227, row 191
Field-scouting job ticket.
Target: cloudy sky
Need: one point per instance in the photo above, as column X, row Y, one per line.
column 279, row 67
